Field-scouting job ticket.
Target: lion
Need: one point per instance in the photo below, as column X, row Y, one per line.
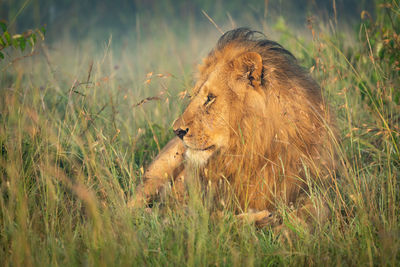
column 258, row 122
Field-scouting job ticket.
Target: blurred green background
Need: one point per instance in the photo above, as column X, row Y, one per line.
column 122, row 17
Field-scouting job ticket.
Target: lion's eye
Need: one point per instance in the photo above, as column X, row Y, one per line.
column 210, row 99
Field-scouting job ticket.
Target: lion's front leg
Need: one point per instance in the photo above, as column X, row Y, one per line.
column 261, row 218
column 306, row 213
column 167, row 165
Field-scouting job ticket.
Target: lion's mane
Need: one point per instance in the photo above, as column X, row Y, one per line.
column 272, row 156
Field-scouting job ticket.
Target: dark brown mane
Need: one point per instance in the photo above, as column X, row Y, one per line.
column 275, row 58
column 251, row 39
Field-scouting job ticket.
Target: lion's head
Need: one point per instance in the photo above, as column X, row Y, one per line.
column 254, row 109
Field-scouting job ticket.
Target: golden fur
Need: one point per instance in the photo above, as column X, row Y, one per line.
column 256, row 120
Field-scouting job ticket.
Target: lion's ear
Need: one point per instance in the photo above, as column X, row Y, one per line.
column 249, row 66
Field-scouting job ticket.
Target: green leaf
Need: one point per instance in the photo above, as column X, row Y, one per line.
column 1, row 55
column 15, row 43
column 8, row 38
column 22, row 44
column 3, row 26
column 2, row 43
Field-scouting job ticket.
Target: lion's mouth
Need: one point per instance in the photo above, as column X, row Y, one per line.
column 201, row 149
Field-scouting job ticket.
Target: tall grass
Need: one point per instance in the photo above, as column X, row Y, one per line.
column 75, row 136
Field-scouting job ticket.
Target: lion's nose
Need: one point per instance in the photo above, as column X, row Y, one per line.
column 181, row 133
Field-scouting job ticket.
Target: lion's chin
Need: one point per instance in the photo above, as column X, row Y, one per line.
column 199, row 158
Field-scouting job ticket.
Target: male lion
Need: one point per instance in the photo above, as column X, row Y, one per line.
column 256, row 121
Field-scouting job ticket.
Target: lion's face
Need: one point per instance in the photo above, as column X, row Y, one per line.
column 207, row 124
